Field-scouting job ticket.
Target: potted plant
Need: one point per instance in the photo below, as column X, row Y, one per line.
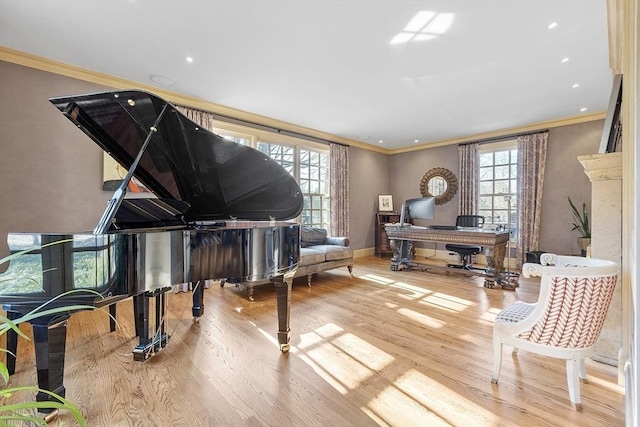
column 581, row 223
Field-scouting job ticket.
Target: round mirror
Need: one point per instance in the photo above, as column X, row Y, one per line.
column 440, row 183
column 437, row 186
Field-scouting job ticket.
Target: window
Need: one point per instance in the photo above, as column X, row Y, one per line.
column 282, row 154
column 499, row 184
column 314, row 183
column 308, row 163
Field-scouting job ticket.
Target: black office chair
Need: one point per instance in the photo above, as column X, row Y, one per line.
column 465, row 252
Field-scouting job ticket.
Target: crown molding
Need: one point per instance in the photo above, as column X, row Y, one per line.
column 514, row 131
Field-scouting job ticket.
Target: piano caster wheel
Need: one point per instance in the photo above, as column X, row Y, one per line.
column 222, row 283
column 51, row 416
column 285, row 348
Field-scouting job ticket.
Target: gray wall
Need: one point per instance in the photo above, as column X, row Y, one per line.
column 51, row 174
column 368, row 177
column 565, row 177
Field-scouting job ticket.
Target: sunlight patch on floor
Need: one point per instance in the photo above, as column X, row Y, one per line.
column 377, row 279
column 348, row 371
column 447, row 302
column 415, row 396
column 346, row 361
column 329, row 330
column 489, row 316
column 606, row 384
column 309, row 339
column 427, row 321
column 367, row 354
column 269, row 338
column 333, row 382
column 415, row 291
column 393, row 407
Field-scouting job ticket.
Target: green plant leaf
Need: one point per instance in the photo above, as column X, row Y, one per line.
column 61, row 404
column 580, row 219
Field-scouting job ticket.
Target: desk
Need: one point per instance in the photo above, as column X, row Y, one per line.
column 493, row 242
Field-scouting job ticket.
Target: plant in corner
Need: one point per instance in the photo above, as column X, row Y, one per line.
column 581, row 223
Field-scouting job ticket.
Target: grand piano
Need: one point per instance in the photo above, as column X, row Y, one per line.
column 219, row 211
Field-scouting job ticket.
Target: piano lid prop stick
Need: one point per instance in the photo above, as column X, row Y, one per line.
column 118, row 196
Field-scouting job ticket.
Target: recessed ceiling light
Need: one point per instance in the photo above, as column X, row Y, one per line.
column 189, row 59
column 552, row 25
column 565, row 60
column 583, row 109
column 575, row 85
column 380, row 142
column 415, row 141
column 162, row 80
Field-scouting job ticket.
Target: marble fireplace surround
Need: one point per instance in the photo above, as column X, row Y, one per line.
column 605, row 173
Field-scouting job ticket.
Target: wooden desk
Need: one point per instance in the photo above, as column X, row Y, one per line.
column 493, row 242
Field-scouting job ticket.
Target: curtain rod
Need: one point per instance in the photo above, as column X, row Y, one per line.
column 268, row 128
column 504, row 137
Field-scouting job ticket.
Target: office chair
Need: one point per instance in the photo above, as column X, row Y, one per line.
column 465, row 252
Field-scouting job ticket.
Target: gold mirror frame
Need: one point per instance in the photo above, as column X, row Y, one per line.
column 448, row 176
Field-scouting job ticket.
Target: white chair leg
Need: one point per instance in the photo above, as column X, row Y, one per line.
column 497, row 358
column 583, row 373
column 573, row 374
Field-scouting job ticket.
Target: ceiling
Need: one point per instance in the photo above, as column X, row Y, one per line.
column 330, row 66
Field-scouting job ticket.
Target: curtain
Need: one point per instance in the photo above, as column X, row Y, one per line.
column 200, row 117
column 339, row 183
column 532, row 155
column 469, row 175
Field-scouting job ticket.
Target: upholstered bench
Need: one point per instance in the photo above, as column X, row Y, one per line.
column 320, row 253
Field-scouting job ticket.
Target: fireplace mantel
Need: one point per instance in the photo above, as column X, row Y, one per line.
column 605, row 173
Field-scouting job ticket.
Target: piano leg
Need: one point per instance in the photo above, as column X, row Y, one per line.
column 112, row 317
column 283, row 304
column 198, row 300
column 49, row 336
column 149, row 343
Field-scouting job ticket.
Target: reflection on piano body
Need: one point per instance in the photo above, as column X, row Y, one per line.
column 142, row 247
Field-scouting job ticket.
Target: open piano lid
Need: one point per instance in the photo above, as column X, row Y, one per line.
column 200, row 174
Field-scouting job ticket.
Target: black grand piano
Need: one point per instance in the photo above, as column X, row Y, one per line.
column 219, row 212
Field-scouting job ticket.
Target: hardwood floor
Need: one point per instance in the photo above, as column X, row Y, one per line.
column 383, row 348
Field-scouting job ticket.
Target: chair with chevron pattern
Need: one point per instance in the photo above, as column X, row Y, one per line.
column 575, row 293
